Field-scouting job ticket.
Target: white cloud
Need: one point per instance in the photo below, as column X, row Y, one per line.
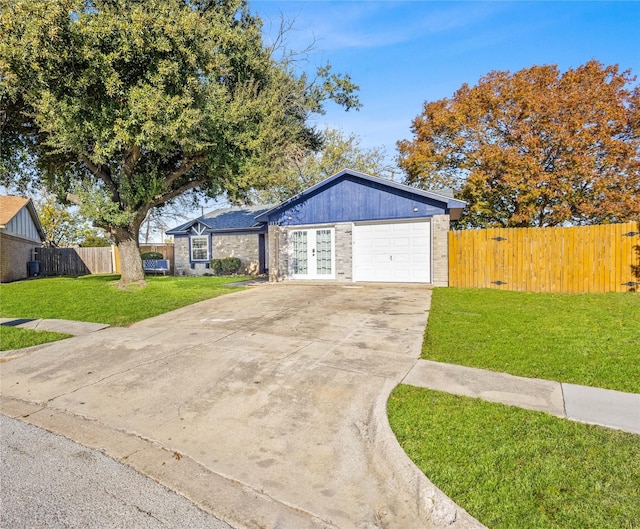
column 371, row 24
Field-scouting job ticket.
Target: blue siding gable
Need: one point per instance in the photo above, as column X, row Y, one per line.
column 348, row 197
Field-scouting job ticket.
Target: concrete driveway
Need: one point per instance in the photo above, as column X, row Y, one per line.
column 267, row 407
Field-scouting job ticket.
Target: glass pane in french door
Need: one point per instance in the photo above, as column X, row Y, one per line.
column 299, row 242
column 323, row 252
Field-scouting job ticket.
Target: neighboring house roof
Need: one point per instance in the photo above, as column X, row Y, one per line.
column 455, row 206
column 236, row 218
column 11, row 206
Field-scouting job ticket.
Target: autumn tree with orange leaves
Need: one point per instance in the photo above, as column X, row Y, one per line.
column 534, row 148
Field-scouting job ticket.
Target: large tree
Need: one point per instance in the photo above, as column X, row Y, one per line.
column 534, row 148
column 127, row 104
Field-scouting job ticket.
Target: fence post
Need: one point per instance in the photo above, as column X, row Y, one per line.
column 115, row 255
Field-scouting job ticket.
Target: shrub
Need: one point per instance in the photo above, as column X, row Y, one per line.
column 151, row 255
column 226, row 266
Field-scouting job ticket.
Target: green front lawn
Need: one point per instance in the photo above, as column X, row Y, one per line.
column 14, row 338
column 98, row 299
column 512, row 468
column 587, row 339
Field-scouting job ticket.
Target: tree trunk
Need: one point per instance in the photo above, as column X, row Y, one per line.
column 130, row 261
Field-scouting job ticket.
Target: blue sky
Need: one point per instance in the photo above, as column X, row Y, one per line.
column 405, row 53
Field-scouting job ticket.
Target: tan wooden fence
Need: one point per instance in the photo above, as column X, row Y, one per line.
column 75, row 261
column 167, row 250
column 604, row 258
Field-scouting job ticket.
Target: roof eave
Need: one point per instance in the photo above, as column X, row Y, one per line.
column 217, row 230
column 36, row 219
column 451, row 203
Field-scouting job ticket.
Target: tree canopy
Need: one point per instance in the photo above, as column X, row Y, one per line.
column 127, row 104
column 534, row 148
column 305, row 167
column 63, row 226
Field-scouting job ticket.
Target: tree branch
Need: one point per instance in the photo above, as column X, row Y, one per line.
column 131, row 160
column 103, row 175
column 185, row 166
column 161, row 199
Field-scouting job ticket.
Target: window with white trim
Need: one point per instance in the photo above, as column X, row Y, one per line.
column 200, row 248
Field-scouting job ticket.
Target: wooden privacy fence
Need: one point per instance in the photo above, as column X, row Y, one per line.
column 604, row 258
column 75, row 261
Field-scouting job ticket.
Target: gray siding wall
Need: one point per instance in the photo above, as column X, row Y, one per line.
column 22, row 225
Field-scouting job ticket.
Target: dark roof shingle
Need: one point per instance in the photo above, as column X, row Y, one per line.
column 233, row 218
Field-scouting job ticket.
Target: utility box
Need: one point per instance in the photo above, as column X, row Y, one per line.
column 33, row 268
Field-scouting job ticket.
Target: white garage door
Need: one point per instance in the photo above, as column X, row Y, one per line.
column 394, row 252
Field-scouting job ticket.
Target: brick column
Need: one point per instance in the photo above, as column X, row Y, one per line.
column 440, row 257
column 344, row 251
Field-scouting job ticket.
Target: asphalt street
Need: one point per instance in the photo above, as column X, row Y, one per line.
column 48, row 481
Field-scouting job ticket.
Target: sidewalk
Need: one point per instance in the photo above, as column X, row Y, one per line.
column 75, row 328
column 612, row 409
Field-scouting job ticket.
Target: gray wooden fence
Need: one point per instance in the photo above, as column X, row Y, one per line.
column 75, row 261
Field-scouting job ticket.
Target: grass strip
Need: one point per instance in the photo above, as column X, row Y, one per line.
column 97, row 298
column 514, row 468
column 16, row 338
column 587, row 339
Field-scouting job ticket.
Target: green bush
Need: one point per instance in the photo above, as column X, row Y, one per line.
column 151, row 255
column 226, row 266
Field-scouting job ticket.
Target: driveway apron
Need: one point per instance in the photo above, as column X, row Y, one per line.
column 279, row 391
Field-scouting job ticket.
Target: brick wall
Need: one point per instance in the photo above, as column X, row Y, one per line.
column 344, row 251
column 440, row 258
column 279, row 255
column 244, row 246
column 279, row 252
column 14, row 255
column 181, row 255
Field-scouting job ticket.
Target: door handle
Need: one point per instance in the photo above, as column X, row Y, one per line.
column 391, row 258
column 313, row 252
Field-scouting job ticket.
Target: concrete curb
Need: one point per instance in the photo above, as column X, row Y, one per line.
column 227, row 499
column 434, row 507
column 611, row 409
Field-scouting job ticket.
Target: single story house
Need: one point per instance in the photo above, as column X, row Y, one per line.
column 20, row 234
column 227, row 232
column 349, row 227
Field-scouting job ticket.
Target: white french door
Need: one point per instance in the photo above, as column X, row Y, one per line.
column 312, row 253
